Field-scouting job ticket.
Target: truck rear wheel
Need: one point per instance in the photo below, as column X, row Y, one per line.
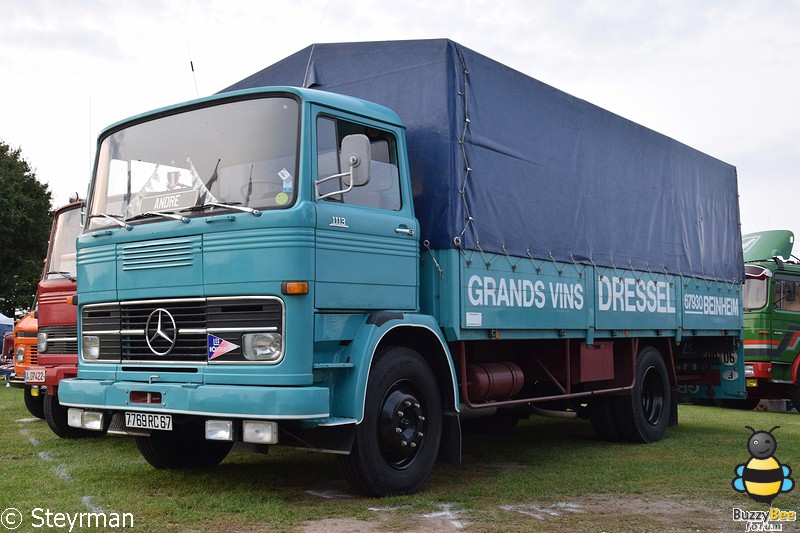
column 397, row 442
column 644, row 415
column 34, row 404
column 56, row 416
column 183, row 447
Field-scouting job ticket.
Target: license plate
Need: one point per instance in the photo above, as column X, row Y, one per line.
column 34, row 376
column 148, row 421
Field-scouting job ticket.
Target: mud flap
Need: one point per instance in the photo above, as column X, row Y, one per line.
column 450, row 447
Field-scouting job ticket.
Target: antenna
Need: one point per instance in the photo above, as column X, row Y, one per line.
column 191, row 66
column 314, row 43
column 91, row 138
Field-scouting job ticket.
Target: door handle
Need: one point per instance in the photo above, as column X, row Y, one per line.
column 407, row 231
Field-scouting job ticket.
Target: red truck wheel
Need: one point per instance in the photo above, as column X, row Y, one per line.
column 397, row 442
column 34, row 404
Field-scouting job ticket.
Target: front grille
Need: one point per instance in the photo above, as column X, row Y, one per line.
column 162, row 254
column 190, row 321
column 130, row 331
column 61, row 339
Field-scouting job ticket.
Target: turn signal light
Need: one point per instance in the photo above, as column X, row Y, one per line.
column 294, row 288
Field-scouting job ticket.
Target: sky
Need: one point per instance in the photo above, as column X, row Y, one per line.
column 722, row 76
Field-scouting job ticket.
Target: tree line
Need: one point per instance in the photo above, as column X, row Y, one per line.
column 25, row 218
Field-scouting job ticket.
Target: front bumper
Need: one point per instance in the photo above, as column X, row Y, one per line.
column 15, row 381
column 231, row 401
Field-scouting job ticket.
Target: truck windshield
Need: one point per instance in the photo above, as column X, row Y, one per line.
column 61, row 260
column 241, row 153
column 756, row 283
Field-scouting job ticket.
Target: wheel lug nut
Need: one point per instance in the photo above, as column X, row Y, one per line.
column 413, row 444
column 420, row 434
column 398, row 430
column 404, row 443
column 400, row 413
column 421, row 418
column 407, row 403
column 416, row 406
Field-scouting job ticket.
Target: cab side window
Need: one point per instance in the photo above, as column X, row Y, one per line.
column 383, row 189
column 787, row 294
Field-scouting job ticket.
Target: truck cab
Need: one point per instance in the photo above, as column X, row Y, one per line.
column 26, row 356
column 771, row 318
column 57, row 338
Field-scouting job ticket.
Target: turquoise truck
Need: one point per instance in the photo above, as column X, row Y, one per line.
column 364, row 245
column 771, row 319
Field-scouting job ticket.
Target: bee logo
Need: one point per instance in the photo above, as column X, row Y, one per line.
column 762, row 477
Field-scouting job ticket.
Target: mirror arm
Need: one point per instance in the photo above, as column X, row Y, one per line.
column 333, row 193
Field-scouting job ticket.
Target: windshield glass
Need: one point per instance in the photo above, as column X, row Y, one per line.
column 756, row 282
column 240, row 153
column 61, row 261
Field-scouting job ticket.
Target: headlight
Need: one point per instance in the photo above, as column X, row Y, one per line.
column 41, row 342
column 91, row 347
column 20, row 354
column 262, row 346
column 748, row 370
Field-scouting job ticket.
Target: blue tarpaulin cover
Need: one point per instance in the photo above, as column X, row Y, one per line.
column 543, row 173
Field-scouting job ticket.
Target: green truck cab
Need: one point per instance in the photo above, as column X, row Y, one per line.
column 771, row 300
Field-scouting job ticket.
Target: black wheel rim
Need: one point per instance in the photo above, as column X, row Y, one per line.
column 402, row 424
column 652, row 396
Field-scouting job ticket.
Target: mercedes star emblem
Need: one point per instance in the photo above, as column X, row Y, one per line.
column 161, row 332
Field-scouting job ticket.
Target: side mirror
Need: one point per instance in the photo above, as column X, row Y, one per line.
column 355, row 157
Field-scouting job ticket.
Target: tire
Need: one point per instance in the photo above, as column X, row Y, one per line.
column 644, row 415
column 744, row 405
column 397, row 442
column 34, row 404
column 56, row 416
column 794, row 396
column 183, row 447
column 604, row 418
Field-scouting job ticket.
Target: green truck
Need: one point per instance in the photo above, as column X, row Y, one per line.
column 771, row 300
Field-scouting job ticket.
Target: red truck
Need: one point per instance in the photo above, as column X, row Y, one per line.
column 57, row 340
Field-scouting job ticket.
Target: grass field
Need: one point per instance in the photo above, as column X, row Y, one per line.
column 548, row 475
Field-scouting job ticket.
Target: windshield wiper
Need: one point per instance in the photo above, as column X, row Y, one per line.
column 65, row 274
column 165, row 214
column 113, row 218
column 227, row 205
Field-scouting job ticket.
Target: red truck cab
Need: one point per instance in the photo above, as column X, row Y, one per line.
column 57, row 340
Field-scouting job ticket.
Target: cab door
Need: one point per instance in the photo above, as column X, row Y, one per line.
column 367, row 251
column 785, row 330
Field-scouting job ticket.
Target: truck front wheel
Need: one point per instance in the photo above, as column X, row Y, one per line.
column 183, row 447
column 34, row 404
column 644, row 415
column 397, row 442
column 794, row 395
column 56, row 416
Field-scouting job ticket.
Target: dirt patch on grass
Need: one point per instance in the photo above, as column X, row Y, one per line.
column 590, row 513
